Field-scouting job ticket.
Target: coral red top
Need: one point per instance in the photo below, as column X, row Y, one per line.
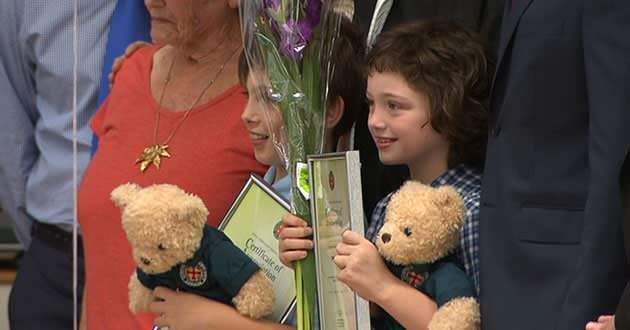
column 212, row 157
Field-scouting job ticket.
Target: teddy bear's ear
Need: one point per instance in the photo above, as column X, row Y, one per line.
column 446, row 195
column 122, row 195
column 194, row 210
column 450, row 201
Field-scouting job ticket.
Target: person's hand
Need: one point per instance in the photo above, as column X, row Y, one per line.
column 187, row 311
column 293, row 240
column 83, row 316
column 182, row 310
column 606, row 322
column 120, row 59
column 82, row 323
column 362, row 268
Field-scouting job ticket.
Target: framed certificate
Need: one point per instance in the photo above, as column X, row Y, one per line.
column 336, row 205
column 252, row 224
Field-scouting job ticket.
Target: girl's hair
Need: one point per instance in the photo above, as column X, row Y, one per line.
column 348, row 79
column 450, row 65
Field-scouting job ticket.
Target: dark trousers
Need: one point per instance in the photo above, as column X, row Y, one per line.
column 42, row 295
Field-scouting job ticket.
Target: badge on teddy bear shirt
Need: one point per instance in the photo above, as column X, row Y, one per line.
column 195, row 275
column 413, row 276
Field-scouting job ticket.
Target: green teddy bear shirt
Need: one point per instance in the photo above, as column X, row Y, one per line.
column 216, row 271
column 443, row 281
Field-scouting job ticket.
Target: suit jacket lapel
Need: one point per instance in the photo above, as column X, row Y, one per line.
column 364, row 9
column 511, row 18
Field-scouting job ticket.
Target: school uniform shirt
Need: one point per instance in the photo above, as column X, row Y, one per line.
column 218, row 270
column 442, row 281
column 282, row 186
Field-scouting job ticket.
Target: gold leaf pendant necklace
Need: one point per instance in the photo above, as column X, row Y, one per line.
column 153, row 154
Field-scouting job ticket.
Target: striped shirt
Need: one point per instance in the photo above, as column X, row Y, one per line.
column 36, row 80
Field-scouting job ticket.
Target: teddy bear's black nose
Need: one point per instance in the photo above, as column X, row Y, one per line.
column 145, row 261
column 386, row 238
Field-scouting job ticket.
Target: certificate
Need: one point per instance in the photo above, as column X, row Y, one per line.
column 252, row 224
column 336, row 205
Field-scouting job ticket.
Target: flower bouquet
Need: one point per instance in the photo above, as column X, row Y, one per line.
column 288, row 44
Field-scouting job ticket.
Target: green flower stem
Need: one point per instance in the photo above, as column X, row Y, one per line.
column 303, row 108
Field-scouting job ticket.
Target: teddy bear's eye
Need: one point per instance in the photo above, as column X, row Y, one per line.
column 161, row 247
column 407, row 231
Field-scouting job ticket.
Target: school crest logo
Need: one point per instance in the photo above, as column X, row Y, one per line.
column 277, row 229
column 331, row 180
column 413, row 278
column 194, row 276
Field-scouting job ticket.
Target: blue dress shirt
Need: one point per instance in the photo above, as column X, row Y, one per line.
column 282, row 186
column 36, row 79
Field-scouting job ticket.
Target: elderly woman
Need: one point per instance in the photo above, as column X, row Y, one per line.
column 182, row 310
column 173, row 116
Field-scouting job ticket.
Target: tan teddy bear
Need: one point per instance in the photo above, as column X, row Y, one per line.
column 175, row 248
column 417, row 241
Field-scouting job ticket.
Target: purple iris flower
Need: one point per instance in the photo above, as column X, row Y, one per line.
column 313, row 12
column 272, row 4
column 292, row 39
column 295, row 36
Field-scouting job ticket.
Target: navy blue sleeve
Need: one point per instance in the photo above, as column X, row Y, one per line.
column 146, row 280
column 448, row 282
column 231, row 267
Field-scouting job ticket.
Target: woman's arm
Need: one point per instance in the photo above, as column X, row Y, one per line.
column 83, row 320
column 363, row 270
column 186, row 311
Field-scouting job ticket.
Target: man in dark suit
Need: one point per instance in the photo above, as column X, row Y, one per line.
column 551, row 242
column 483, row 16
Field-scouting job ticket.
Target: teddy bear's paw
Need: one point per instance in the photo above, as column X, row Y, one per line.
column 256, row 297
column 457, row 314
column 140, row 297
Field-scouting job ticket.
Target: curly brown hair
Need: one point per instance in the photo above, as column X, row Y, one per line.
column 450, row 64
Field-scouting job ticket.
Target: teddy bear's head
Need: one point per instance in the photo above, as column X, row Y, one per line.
column 422, row 224
column 163, row 223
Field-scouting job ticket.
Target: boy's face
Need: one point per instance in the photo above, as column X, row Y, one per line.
column 399, row 122
column 263, row 121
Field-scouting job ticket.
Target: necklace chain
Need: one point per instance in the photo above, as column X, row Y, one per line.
column 153, row 153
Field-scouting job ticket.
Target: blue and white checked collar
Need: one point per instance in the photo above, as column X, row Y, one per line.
column 463, row 178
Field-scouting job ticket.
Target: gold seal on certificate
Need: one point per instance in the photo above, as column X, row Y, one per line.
column 336, row 205
column 253, row 223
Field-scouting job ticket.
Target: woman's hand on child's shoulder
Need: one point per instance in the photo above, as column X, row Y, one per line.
column 294, row 240
column 118, row 61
